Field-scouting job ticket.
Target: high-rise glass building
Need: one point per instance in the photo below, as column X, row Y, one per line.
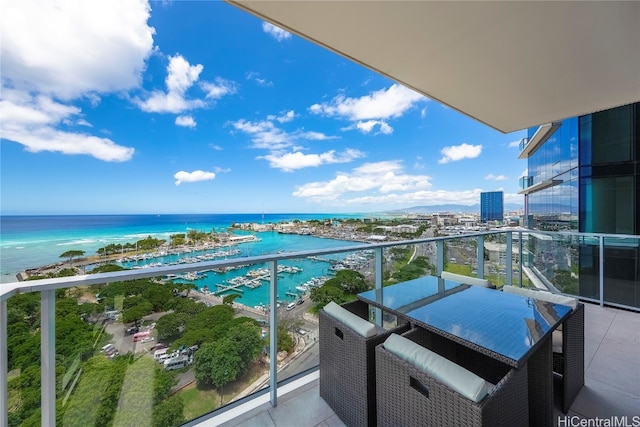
column 491, row 206
column 584, row 175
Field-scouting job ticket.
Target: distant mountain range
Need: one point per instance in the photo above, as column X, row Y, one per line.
column 508, row 207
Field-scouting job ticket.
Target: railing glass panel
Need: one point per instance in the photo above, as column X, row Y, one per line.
column 461, row 256
column 110, row 329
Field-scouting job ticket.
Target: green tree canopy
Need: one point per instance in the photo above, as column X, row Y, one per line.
column 246, row 338
column 107, row 268
column 169, row 413
column 228, row 299
column 351, row 281
column 137, row 312
column 326, row 293
column 170, row 326
column 217, row 363
column 70, row 255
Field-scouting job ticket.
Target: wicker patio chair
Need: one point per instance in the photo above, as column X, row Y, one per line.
column 569, row 363
column 347, row 366
column 408, row 396
column 568, row 348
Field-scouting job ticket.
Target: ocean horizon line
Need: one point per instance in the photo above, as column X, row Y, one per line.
column 188, row 213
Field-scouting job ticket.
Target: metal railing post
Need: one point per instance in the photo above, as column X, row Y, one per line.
column 480, row 256
column 4, row 366
column 601, row 267
column 48, row 357
column 520, row 257
column 379, row 258
column 439, row 257
column 509, row 260
column 273, row 333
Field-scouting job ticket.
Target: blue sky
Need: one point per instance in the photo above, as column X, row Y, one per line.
column 198, row 107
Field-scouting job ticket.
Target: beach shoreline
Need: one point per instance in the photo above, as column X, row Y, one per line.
column 301, row 228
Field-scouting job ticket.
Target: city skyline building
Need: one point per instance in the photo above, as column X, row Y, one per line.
column 491, row 206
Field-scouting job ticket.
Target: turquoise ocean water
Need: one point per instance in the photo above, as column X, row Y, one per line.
column 33, row 241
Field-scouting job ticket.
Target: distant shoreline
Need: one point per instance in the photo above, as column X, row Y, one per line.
column 300, row 229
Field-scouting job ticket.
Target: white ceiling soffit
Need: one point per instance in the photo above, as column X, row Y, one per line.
column 510, row 65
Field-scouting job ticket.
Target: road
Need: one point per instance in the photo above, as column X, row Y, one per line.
column 307, row 359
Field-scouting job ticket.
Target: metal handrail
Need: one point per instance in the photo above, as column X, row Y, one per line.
column 47, row 288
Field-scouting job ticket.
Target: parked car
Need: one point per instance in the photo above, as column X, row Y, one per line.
column 132, row 330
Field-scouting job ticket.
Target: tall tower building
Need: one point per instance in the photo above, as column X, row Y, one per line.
column 491, row 206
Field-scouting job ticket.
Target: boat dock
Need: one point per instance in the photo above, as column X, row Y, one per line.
column 225, row 288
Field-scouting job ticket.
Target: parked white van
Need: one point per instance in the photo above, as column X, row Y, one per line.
column 159, row 353
column 107, row 348
column 291, row 306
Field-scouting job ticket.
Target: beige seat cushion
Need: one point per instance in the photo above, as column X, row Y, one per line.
column 356, row 324
column 447, row 372
column 556, row 341
column 542, row 295
column 460, row 278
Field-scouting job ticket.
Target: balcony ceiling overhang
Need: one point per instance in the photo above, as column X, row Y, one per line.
column 510, row 65
column 541, row 186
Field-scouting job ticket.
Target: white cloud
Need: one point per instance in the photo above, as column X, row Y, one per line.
column 54, row 52
column 186, row 121
column 255, row 76
column 492, row 177
column 289, row 162
column 412, row 198
column 32, row 120
column 367, row 126
column 65, row 48
column 424, row 197
column 83, row 122
column 275, row 32
column 514, row 144
column 381, row 177
column 382, row 104
column 316, row 136
column 180, row 77
column 194, row 176
column 423, row 112
column 459, row 152
column 220, row 88
column 265, row 135
column 283, row 117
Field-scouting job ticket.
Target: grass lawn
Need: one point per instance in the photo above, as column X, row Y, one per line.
column 201, row 400
column 465, row 270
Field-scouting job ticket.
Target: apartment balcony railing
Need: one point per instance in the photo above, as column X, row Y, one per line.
column 526, row 182
column 529, row 145
column 595, row 267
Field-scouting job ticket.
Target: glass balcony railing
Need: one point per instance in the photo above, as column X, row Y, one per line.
column 165, row 345
column 526, row 182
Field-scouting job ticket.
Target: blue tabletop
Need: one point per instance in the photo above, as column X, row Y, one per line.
column 507, row 324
